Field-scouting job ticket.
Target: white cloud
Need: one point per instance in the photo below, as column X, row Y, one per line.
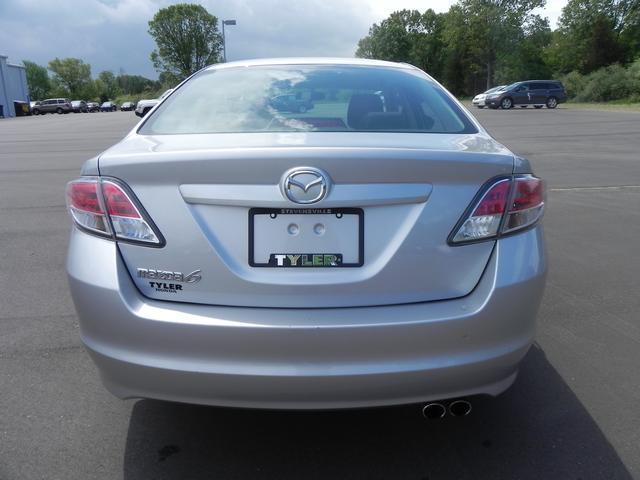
column 382, row 8
column 126, row 11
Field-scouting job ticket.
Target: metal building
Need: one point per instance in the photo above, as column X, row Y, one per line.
column 13, row 86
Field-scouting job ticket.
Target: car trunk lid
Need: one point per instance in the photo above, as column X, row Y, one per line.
column 400, row 195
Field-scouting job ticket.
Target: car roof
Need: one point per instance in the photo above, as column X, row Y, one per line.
column 553, row 81
column 260, row 62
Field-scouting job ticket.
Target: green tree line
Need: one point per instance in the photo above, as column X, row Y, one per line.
column 71, row 78
column 481, row 43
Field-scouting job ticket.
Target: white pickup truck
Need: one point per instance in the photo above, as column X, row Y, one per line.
column 143, row 106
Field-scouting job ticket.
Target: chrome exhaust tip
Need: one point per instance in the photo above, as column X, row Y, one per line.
column 460, row 408
column 434, row 411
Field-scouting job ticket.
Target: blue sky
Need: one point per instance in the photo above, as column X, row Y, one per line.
column 112, row 34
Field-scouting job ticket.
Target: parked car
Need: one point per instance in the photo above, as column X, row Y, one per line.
column 127, row 106
column 479, row 100
column 93, row 107
column 79, row 106
column 532, row 92
column 53, row 105
column 290, row 103
column 143, row 106
column 108, row 107
column 369, row 255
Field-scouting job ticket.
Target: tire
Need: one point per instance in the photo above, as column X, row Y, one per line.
column 538, row 106
column 59, row 111
column 506, row 103
column 552, row 102
column 36, row 111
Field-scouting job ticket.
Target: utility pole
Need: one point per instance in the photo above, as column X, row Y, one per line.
column 224, row 41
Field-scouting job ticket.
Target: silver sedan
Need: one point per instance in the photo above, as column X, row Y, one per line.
column 378, row 248
column 480, row 99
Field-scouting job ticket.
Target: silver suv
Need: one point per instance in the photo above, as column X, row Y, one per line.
column 53, row 105
column 383, row 249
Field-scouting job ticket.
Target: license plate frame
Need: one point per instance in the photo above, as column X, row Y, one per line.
column 306, row 211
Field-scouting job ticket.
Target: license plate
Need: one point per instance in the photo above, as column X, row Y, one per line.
column 306, row 237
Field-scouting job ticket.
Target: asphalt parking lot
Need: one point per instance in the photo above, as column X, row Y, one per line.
column 572, row 414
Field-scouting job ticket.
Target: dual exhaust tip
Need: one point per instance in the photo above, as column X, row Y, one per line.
column 436, row 410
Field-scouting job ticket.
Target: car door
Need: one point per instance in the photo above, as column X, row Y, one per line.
column 521, row 94
column 538, row 93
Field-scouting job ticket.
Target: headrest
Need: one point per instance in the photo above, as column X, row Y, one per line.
column 360, row 105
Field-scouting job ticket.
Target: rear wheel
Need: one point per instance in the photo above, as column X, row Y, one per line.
column 58, row 110
column 506, row 103
column 552, row 102
column 36, row 111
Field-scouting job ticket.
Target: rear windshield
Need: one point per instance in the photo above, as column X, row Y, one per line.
column 308, row 98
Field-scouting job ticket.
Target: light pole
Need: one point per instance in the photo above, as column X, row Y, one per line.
column 224, row 43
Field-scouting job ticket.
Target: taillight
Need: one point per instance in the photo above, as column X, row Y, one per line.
column 527, row 203
column 105, row 207
column 86, row 207
column 507, row 206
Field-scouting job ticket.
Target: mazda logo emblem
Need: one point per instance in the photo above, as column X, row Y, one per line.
column 305, row 185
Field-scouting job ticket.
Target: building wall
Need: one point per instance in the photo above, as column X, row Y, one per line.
column 13, row 85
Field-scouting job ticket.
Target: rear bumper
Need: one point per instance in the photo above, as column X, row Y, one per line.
column 308, row 358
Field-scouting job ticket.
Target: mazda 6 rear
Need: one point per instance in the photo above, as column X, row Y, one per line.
column 377, row 247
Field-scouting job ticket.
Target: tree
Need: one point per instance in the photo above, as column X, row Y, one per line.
column 91, row 91
column 602, row 46
column 493, row 27
column 37, row 80
column 407, row 36
column 168, row 80
column 135, row 84
column 70, row 75
column 187, row 39
column 108, row 86
column 470, row 46
column 526, row 58
column 598, row 33
column 461, row 73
